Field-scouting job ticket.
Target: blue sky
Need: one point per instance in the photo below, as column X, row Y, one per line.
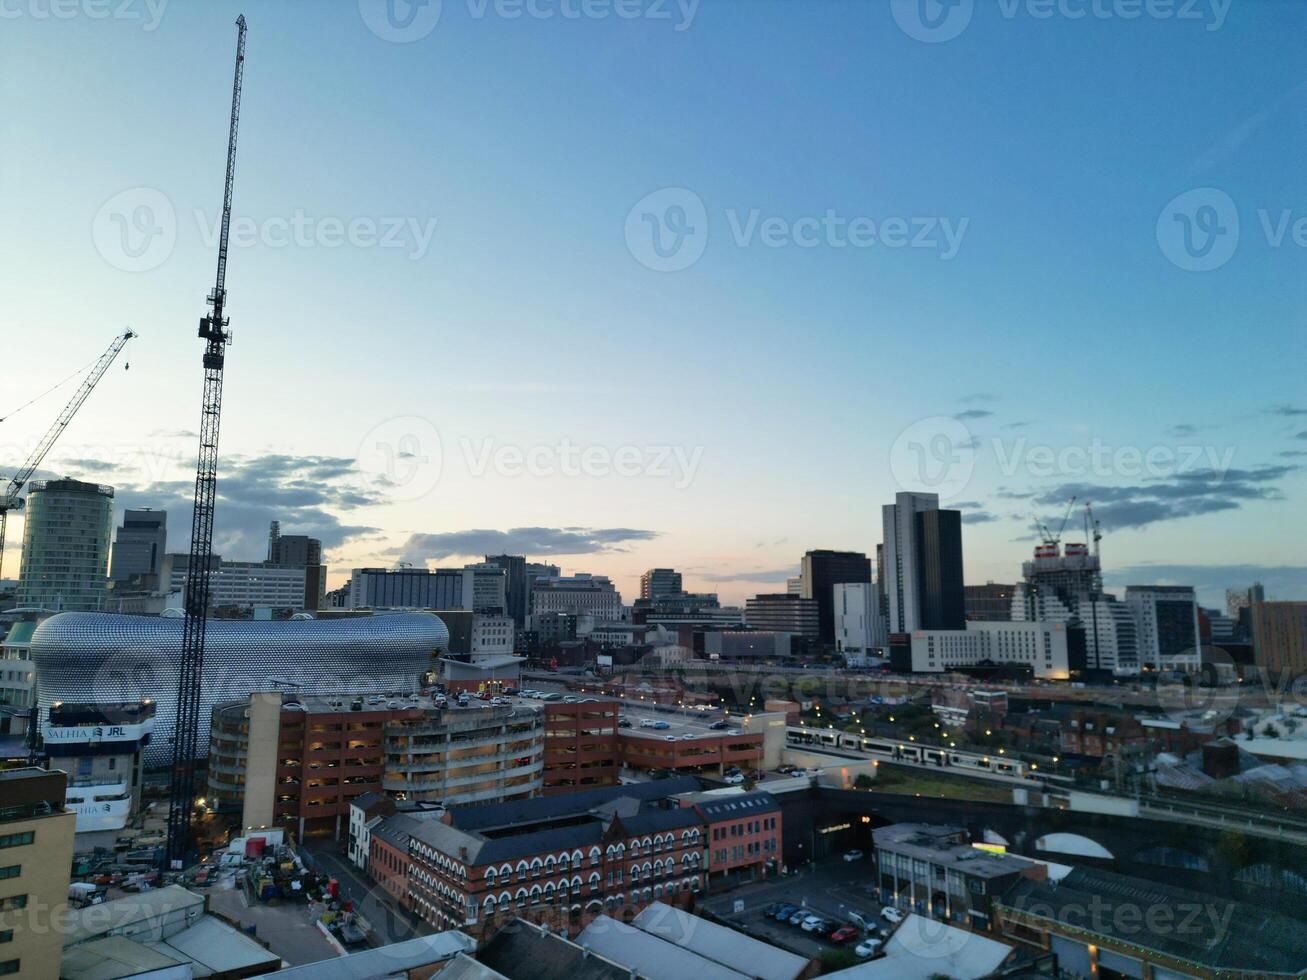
column 762, row 393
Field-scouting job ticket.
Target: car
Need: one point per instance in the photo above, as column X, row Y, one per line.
column 623, row 723
column 717, row 726
column 868, row 948
column 648, row 723
column 734, row 778
column 570, row 700
column 853, row 855
column 669, row 738
column 661, row 725
column 552, row 696
column 843, row 934
column 890, row 914
column 784, row 912
column 786, row 769
column 688, row 735
column 797, row 918
column 732, row 731
column 813, row 923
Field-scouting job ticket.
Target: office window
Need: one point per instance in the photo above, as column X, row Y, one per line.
column 11, row 871
column 17, row 840
column 8, row 966
column 13, row 902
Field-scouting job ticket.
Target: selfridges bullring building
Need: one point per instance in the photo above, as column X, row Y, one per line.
column 102, row 658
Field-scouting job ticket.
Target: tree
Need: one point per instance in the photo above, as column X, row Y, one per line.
column 863, row 781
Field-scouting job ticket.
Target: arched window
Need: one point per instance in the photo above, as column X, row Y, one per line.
column 594, row 855
column 577, row 858
column 521, row 869
column 521, row 898
column 490, row 876
column 535, row 894
column 490, row 904
column 562, row 862
column 576, row 883
column 505, row 871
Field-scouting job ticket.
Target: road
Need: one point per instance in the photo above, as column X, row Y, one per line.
column 390, row 923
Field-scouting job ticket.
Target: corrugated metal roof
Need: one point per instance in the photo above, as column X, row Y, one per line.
column 719, row 943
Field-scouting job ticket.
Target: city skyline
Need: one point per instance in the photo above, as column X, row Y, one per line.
column 797, row 388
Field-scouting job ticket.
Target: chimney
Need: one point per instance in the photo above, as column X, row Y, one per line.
column 462, row 854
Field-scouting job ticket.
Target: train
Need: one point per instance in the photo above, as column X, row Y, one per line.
column 892, row 751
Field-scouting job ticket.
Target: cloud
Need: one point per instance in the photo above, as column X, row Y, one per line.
column 1020, row 424
column 305, row 493
column 973, row 413
column 965, row 505
column 530, row 541
column 1292, row 453
column 1286, row 411
column 1184, row 495
column 1183, row 429
column 1301, row 435
column 173, row 434
column 978, row 396
column 978, row 517
column 777, row 575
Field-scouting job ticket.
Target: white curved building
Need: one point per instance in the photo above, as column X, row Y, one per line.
column 101, row 658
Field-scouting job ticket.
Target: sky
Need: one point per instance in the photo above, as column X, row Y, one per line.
column 631, row 283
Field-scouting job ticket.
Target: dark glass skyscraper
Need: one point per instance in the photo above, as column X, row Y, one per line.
column 939, row 570
column 822, row 571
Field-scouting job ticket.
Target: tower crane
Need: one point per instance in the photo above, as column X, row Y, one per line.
column 1049, row 537
column 213, row 329
column 10, row 499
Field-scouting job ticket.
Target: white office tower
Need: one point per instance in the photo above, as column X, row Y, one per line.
column 859, row 628
column 899, row 573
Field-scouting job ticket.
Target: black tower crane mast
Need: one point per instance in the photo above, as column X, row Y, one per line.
column 213, row 328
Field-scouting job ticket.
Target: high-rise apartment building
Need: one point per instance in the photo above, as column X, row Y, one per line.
column 65, row 545
column 821, row 571
column 244, row 584
column 659, row 582
column 139, row 545
column 1167, row 620
column 1061, row 587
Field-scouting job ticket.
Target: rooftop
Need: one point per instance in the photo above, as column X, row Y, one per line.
column 923, row 948
column 1225, row 936
column 945, row 846
column 719, row 943
column 524, row 951
column 385, row 961
column 649, row 955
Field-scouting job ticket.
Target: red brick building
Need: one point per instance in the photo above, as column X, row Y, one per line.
column 558, row 860
column 743, row 831
column 581, row 746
